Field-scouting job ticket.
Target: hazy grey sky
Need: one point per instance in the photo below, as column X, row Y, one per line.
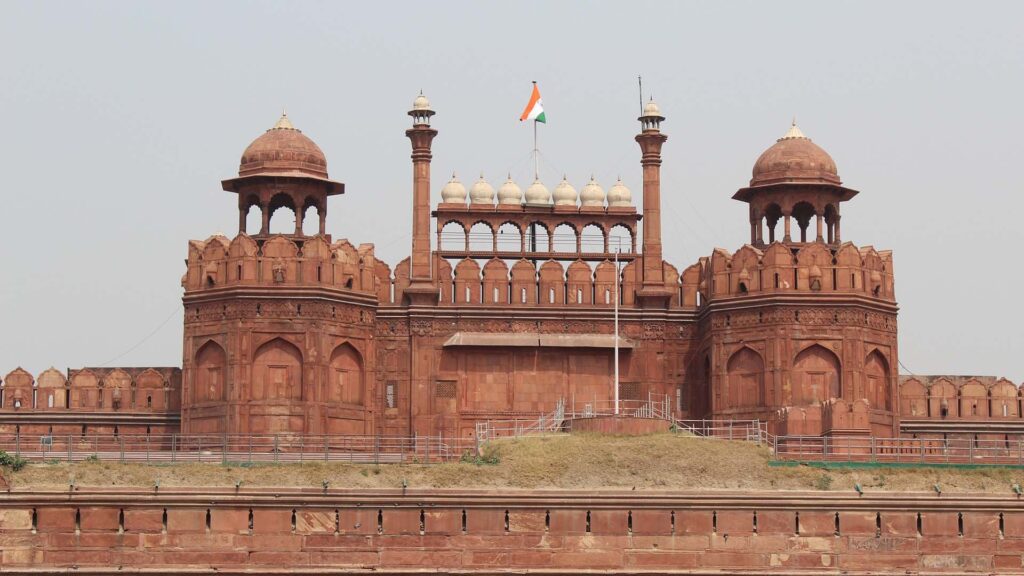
column 120, row 119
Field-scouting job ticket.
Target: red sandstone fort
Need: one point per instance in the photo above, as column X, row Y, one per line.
column 509, row 310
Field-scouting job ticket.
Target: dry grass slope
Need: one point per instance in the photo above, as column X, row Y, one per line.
column 577, row 461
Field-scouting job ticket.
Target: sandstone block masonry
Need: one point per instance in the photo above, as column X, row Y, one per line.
column 296, row 531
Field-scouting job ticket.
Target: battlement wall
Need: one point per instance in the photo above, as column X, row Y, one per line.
column 967, row 398
column 83, row 401
column 287, row 531
column 284, row 261
column 781, row 269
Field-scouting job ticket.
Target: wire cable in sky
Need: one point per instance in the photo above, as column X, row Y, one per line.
column 177, row 309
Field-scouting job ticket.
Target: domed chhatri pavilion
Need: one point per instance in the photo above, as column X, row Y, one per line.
column 509, row 309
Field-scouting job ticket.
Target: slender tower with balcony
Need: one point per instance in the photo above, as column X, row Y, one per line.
column 422, row 289
column 653, row 292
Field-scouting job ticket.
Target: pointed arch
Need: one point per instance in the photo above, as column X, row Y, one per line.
column 816, row 376
column 580, row 283
column 277, row 371
column 973, row 399
column 551, row 279
column 877, row 382
column 745, row 379
column 52, row 390
column 495, row 282
column 524, row 283
column 942, row 399
column 467, row 282
column 210, row 368
column 913, row 399
column 1004, row 400
column 346, row 380
column 604, row 284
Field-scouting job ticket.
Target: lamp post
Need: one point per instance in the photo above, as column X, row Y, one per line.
column 618, row 247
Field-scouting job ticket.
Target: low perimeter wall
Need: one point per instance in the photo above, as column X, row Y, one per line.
column 161, row 531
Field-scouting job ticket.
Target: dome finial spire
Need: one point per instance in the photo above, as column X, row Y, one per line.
column 283, row 123
column 793, row 132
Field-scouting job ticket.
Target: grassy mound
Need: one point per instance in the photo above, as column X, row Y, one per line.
column 570, row 461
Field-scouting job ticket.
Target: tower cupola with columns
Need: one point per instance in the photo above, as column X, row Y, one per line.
column 795, row 181
column 282, row 168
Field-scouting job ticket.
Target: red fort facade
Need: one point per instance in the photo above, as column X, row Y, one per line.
column 510, row 309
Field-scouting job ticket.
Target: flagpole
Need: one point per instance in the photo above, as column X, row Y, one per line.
column 536, row 153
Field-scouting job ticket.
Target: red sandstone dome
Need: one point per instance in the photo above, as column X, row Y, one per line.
column 283, row 150
column 794, row 159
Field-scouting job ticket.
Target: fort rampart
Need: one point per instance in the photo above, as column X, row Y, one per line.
column 271, row 531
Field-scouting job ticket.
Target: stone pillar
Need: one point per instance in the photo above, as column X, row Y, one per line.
column 322, row 212
column 820, row 222
column 837, row 237
column 422, row 288
column 241, row 220
column 265, row 224
column 787, row 218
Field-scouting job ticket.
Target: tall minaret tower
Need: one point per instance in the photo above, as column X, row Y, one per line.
column 422, row 286
column 653, row 292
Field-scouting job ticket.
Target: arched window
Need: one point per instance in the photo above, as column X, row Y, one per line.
column 565, row 239
column 481, row 237
column 282, row 214
column 452, row 237
column 510, row 239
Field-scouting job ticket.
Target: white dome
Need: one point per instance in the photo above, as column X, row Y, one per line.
column 510, row 193
column 453, row 192
column 619, row 195
column 592, row 194
column 538, row 193
column 565, row 194
column 481, row 192
column 651, row 108
column 421, row 103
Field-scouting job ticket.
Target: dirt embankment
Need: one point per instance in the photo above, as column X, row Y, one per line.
column 577, row 461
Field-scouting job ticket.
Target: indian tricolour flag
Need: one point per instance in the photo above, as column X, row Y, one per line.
column 535, row 109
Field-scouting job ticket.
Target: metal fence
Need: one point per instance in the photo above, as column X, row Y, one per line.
column 657, row 406
column 746, row 430
column 231, row 448
column 899, row 450
column 512, row 428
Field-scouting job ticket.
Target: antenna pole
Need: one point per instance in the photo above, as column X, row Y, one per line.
column 640, row 85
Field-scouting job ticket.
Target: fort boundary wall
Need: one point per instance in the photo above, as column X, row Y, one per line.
column 291, row 531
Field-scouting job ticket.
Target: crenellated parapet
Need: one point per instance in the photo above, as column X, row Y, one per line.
column 781, row 269
column 283, row 261
column 941, row 398
column 138, row 389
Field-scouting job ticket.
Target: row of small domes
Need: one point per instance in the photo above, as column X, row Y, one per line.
column 537, row 193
